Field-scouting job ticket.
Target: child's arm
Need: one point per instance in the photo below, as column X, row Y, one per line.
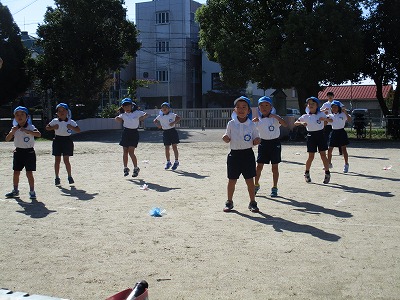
column 255, row 120
column 300, row 123
column 280, row 120
column 50, row 128
column 34, row 132
column 326, row 119
column 226, row 137
column 347, row 115
column 119, row 119
column 146, row 115
column 74, row 128
column 177, row 119
column 157, row 122
column 10, row 135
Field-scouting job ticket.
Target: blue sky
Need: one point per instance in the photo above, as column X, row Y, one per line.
column 29, row 13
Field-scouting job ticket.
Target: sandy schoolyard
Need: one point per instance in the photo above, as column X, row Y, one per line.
column 89, row 240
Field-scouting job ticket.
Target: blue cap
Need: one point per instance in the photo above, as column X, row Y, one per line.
column 337, row 103
column 315, row 99
column 63, row 105
column 126, row 100
column 265, row 99
column 21, row 108
column 166, row 104
column 242, row 98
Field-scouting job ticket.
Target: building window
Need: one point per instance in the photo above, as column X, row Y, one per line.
column 216, row 83
column 162, row 46
column 162, row 17
column 162, row 76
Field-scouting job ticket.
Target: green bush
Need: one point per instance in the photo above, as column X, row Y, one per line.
column 110, row 111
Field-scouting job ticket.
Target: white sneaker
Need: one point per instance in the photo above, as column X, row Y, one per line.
column 346, row 168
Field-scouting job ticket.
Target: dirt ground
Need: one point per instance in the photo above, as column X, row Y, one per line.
column 95, row 238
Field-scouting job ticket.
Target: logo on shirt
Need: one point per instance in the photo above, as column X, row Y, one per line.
column 247, row 137
column 170, row 120
column 271, row 128
column 69, row 130
column 318, row 121
column 27, row 139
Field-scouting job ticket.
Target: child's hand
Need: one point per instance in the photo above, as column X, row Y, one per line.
column 56, row 126
column 172, row 124
column 256, row 141
column 255, row 119
column 322, row 119
column 69, row 126
column 14, row 129
column 226, row 138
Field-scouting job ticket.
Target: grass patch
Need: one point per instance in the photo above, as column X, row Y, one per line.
column 371, row 134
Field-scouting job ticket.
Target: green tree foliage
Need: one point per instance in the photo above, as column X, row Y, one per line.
column 382, row 44
column 281, row 44
column 14, row 77
column 84, row 41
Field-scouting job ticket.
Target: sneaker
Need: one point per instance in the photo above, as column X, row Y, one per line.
column 126, row 171
column 253, row 206
column 135, row 172
column 274, row 192
column 70, row 180
column 307, row 177
column 12, row 194
column 346, row 168
column 57, row 181
column 176, row 164
column 228, row 206
column 256, row 188
column 327, row 178
column 32, row 195
column 168, row 165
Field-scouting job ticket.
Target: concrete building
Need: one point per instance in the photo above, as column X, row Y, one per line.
column 169, row 54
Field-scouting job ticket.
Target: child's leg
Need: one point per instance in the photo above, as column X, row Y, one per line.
column 324, row 159
column 16, row 179
column 175, row 149
column 250, row 188
column 67, row 164
column 259, row 169
column 57, row 161
column 125, row 157
column 231, row 188
column 345, row 155
column 330, row 155
column 131, row 151
column 309, row 160
column 167, row 154
column 31, row 180
column 275, row 174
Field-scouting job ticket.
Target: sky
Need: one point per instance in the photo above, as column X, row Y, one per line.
column 29, row 13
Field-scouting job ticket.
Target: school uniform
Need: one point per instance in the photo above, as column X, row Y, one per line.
column 170, row 134
column 130, row 134
column 315, row 132
column 338, row 136
column 62, row 142
column 269, row 150
column 241, row 160
column 24, row 155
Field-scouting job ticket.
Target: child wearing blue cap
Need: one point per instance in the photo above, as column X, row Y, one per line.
column 24, row 156
column 131, row 118
column 314, row 122
column 338, row 136
column 269, row 149
column 326, row 108
column 241, row 134
column 62, row 145
column 166, row 120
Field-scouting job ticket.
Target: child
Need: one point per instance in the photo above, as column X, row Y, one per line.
column 269, row 150
column 24, row 156
column 242, row 135
column 131, row 117
column 314, row 122
column 167, row 120
column 62, row 143
column 326, row 108
column 338, row 136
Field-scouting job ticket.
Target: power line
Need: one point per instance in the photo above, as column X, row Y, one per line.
column 25, row 7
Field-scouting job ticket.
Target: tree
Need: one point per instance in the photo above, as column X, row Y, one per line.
column 282, row 44
column 84, row 41
column 382, row 44
column 14, row 77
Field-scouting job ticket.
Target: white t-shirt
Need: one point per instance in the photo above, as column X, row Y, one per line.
column 166, row 119
column 62, row 126
column 313, row 122
column 23, row 139
column 131, row 120
column 339, row 120
column 327, row 105
column 268, row 128
column 241, row 134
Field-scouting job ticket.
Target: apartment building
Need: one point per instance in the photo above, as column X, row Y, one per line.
column 169, row 55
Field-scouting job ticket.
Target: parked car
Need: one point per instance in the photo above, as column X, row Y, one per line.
column 293, row 112
column 361, row 118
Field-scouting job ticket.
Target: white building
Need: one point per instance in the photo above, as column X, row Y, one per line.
column 169, row 53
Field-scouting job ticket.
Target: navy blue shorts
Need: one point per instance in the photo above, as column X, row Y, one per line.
column 269, row 151
column 63, row 145
column 338, row 138
column 170, row 137
column 130, row 138
column 24, row 158
column 241, row 162
column 316, row 140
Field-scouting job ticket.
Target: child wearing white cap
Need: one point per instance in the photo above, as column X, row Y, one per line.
column 166, row 120
column 241, row 134
column 62, row 145
column 24, row 156
column 269, row 150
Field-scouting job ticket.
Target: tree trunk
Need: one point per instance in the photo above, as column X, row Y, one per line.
column 303, row 93
column 379, row 96
column 396, row 99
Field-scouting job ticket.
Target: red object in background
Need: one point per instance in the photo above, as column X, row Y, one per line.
column 124, row 294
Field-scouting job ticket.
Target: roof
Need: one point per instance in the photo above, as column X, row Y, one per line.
column 354, row 92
